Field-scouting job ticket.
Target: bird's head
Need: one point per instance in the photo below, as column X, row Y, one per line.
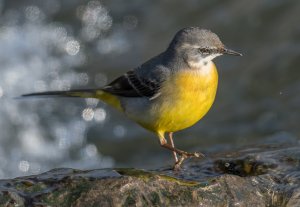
column 199, row 46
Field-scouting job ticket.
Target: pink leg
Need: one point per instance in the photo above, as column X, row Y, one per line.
column 172, row 144
column 183, row 154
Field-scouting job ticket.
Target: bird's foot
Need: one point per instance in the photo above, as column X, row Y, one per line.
column 177, row 165
column 184, row 155
column 194, row 154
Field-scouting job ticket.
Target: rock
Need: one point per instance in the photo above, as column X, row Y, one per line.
column 265, row 175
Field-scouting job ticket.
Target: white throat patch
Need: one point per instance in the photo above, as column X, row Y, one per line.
column 203, row 64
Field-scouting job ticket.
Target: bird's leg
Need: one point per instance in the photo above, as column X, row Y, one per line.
column 183, row 154
column 172, row 144
column 164, row 144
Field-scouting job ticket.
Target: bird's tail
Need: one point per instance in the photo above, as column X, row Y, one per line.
column 82, row 93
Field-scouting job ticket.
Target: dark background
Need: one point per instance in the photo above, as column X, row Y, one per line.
column 58, row 45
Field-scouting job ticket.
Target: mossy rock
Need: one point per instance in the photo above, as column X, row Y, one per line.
column 254, row 176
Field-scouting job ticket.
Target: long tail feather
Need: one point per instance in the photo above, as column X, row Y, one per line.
column 82, row 93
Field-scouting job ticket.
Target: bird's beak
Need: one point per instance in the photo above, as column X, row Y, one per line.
column 231, row 52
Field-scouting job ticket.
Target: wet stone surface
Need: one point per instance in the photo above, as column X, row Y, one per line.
column 263, row 175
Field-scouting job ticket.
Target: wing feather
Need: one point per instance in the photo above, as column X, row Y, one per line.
column 144, row 81
column 131, row 85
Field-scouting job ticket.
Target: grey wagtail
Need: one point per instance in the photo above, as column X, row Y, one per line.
column 169, row 92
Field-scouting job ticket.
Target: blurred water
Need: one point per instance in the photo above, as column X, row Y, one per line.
column 57, row 45
column 37, row 55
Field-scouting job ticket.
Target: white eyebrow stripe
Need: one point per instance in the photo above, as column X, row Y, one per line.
column 186, row 45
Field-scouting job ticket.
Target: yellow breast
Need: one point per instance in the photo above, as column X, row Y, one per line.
column 185, row 99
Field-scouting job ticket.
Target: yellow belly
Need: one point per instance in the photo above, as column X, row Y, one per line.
column 184, row 100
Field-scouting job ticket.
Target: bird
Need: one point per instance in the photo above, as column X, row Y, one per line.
column 168, row 93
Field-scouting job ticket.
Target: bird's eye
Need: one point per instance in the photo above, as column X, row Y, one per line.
column 204, row 51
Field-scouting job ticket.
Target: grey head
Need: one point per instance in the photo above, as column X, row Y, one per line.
column 195, row 45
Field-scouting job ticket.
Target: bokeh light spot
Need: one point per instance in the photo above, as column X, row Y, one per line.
column 33, row 13
column 92, row 102
column 100, row 115
column 72, row 47
column 95, row 19
column 82, row 79
column 88, row 114
column 91, row 150
column 24, row 166
column 119, row 131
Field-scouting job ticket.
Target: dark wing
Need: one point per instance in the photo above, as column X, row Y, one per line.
column 132, row 85
column 144, row 81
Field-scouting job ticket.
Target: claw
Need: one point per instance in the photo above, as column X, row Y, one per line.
column 185, row 155
column 195, row 154
column 177, row 165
